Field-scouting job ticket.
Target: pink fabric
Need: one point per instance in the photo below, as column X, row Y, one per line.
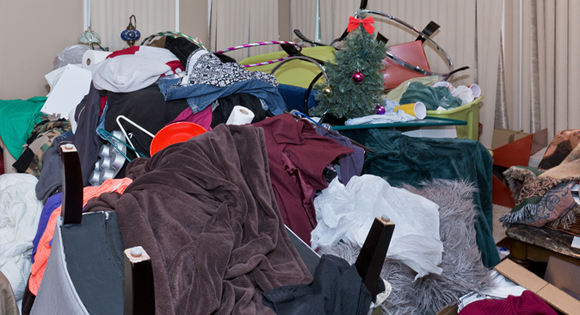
column 202, row 118
column 526, row 304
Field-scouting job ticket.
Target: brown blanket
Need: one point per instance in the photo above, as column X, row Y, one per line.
column 205, row 212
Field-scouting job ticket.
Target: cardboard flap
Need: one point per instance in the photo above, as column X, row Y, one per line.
column 513, row 153
column 502, row 137
column 564, row 275
column 555, row 297
column 559, row 299
column 501, row 194
column 520, row 275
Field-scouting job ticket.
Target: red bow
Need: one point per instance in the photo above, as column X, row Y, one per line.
column 366, row 22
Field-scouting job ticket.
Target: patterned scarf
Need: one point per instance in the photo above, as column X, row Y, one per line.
column 204, row 67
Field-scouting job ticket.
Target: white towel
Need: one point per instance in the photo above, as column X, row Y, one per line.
column 19, row 215
column 134, row 68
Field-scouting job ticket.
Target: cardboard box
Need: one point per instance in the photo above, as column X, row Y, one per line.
column 564, row 275
column 502, row 137
column 511, row 147
column 556, row 298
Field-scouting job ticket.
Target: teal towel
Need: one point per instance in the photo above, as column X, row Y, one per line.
column 432, row 97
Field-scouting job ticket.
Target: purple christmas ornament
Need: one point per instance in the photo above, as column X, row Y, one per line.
column 380, row 109
column 358, row 77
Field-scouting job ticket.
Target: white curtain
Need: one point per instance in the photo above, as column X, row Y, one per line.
column 488, row 48
column 110, row 17
column 303, row 17
column 239, row 22
column 541, row 65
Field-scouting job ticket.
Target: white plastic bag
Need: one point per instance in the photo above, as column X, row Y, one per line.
column 70, row 54
column 347, row 213
column 464, row 93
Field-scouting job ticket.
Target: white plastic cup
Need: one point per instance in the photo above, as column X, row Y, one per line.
column 418, row 109
column 444, row 84
column 475, row 89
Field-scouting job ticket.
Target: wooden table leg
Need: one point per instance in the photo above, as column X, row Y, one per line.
column 519, row 253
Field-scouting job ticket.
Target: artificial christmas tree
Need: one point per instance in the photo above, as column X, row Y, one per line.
column 354, row 86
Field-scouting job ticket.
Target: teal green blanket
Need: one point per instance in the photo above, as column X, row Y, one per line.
column 401, row 159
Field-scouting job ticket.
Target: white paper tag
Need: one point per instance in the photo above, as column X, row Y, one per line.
column 576, row 242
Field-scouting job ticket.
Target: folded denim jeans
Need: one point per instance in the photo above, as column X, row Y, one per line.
column 199, row 96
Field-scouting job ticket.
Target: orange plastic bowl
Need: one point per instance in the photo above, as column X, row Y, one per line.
column 174, row 133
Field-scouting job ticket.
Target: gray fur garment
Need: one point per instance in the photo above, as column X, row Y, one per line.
column 463, row 270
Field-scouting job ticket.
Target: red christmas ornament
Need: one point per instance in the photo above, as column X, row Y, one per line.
column 358, row 77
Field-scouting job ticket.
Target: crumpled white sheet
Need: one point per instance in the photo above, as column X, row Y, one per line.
column 464, row 93
column 347, row 213
column 19, row 215
column 386, row 118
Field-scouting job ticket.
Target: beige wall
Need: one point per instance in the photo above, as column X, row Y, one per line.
column 32, row 32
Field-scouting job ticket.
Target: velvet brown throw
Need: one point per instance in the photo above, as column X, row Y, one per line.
column 204, row 210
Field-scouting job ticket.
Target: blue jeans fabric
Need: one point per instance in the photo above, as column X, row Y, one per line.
column 199, row 96
column 294, row 97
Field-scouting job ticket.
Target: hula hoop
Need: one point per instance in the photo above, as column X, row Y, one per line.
column 147, row 40
column 262, row 44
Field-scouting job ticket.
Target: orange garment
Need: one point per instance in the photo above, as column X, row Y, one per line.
column 43, row 250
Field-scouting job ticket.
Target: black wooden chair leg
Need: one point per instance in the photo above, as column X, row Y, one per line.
column 139, row 288
column 369, row 262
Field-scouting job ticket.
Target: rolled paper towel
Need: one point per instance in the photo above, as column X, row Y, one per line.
column 418, row 109
column 92, row 57
column 240, row 115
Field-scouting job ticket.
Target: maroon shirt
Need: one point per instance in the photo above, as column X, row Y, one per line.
column 297, row 156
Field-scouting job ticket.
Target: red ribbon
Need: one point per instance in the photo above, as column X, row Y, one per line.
column 353, row 23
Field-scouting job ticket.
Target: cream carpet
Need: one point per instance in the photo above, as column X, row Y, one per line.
column 498, row 229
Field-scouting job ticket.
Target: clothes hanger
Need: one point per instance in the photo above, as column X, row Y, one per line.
column 135, row 125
